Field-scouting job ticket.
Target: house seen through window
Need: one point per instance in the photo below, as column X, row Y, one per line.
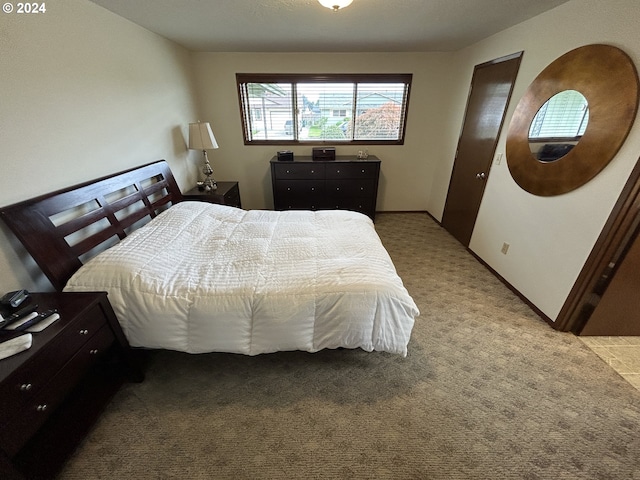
column 289, row 109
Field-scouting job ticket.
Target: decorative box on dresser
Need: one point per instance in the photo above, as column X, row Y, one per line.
column 52, row 393
column 346, row 183
column 227, row 193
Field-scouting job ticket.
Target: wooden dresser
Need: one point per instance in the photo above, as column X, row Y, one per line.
column 51, row 394
column 345, row 183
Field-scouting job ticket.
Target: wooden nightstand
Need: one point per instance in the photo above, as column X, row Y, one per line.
column 227, row 193
column 52, row 393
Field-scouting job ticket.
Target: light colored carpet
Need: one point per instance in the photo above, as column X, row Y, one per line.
column 488, row 391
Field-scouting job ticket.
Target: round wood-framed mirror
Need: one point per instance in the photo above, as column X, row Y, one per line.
column 607, row 78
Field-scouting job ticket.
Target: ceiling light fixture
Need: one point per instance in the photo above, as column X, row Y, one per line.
column 335, row 5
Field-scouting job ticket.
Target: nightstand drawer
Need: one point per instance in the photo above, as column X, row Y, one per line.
column 53, row 392
column 232, row 197
column 31, row 377
column 35, row 411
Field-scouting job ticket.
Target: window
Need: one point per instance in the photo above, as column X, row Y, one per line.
column 335, row 108
column 563, row 116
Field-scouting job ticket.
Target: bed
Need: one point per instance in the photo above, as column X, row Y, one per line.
column 199, row 277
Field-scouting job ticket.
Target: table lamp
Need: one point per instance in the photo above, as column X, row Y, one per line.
column 201, row 138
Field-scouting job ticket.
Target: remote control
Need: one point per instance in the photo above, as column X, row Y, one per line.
column 23, row 312
column 22, row 321
column 43, row 323
column 35, row 320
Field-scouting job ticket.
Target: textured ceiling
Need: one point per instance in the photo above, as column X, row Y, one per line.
column 306, row 26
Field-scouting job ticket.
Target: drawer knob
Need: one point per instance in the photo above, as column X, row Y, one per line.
column 41, row 408
column 25, row 387
column 337, row 188
column 363, row 170
column 313, row 189
column 287, row 171
column 94, row 351
column 83, row 332
column 337, row 171
column 313, row 171
column 288, row 189
column 361, row 189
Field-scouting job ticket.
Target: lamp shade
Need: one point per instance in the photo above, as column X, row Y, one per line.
column 335, row 5
column 201, row 137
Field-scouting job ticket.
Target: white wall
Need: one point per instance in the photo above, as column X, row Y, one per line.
column 101, row 94
column 550, row 237
column 405, row 170
column 84, row 93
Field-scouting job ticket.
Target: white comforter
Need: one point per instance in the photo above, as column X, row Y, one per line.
column 209, row 278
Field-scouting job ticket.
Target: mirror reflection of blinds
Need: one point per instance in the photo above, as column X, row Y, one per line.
column 565, row 115
column 331, row 108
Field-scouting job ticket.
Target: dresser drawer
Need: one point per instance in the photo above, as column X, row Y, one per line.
column 298, row 170
column 352, row 170
column 307, row 188
column 350, row 188
column 35, row 411
column 361, row 205
column 27, row 381
column 299, row 194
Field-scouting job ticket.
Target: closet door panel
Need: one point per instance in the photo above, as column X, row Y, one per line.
column 618, row 312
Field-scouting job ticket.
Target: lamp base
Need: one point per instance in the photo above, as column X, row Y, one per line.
column 209, row 183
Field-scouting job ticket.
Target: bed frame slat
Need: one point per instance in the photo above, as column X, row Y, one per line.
column 31, row 220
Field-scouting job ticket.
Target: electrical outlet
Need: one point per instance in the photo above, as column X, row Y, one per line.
column 505, row 248
column 499, row 159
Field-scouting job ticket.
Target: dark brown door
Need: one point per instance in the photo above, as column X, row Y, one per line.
column 618, row 312
column 491, row 87
column 604, row 299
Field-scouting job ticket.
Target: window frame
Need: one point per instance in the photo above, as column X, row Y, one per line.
column 556, row 115
column 244, row 78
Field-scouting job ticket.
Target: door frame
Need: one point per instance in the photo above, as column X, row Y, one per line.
column 609, row 248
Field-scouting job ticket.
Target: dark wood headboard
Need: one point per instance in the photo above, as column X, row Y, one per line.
column 62, row 228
